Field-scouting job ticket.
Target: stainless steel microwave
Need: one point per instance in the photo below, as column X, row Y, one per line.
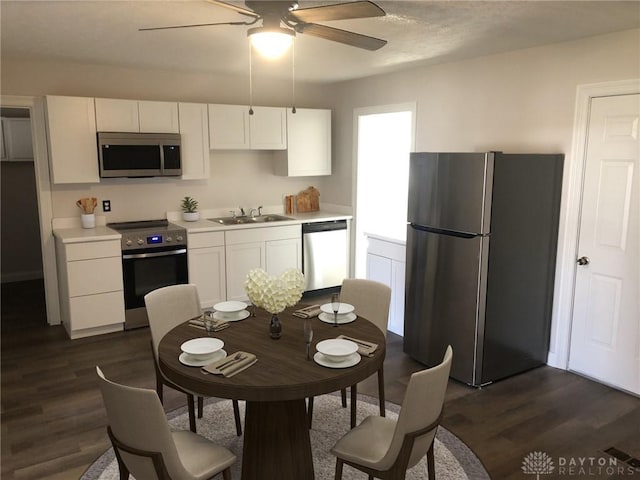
column 139, row 154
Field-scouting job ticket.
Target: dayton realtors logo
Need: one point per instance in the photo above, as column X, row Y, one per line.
column 537, row 463
column 540, row 463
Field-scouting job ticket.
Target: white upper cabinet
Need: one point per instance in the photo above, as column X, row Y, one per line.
column 229, row 127
column 158, row 117
column 16, row 139
column 194, row 133
column 116, row 115
column 71, row 131
column 268, row 128
column 232, row 128
column 308, row 150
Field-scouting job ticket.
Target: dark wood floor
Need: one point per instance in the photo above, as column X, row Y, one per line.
column 53, row 422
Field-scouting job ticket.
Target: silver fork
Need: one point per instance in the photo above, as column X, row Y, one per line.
column 237, row 357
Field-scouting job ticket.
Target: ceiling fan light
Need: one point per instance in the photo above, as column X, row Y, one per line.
column 271, row 42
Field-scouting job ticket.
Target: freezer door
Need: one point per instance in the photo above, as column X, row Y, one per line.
column 444, row 300
column 451, row 191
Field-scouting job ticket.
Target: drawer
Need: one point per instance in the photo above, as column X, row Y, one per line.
column 263, row 234
column 87, row 250
column 97, row 310
column 205, row 239
column 98, row 275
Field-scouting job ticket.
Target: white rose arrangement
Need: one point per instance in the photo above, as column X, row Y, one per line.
column 274, row 294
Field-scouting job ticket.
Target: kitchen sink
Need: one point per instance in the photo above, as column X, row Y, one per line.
column 244, row 220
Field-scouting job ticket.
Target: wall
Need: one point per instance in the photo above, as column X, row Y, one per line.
column 237, row 178
column 521, row 101
column 515, row 102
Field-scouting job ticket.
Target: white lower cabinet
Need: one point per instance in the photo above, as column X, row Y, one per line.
column 206, row 259
column 386, row 264
column 90, row 284
column 242, row 258
column 274, row 249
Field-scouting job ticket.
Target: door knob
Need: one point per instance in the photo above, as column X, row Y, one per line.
column 583, row 261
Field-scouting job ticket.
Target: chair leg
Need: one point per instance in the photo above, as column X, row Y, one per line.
column 383, row 408
column 192, row 412
column 343, row 394
column 338, row 469
column 200, row 406
column 431, row 464
column 159, row 389
column 124, row 472
column 354, row 400
column 226, row 473
column 310, row 412
column 236, row 416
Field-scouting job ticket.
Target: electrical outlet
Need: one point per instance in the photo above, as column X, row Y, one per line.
column 106, row 205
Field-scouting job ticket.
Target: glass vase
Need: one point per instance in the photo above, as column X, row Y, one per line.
column 275, row 327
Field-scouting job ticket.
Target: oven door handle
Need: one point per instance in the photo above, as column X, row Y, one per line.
column 154, row 254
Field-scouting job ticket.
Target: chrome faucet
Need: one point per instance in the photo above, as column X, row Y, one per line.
column 252, row 212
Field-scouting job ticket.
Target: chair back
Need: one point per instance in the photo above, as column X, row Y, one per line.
column 137, row 419
column 370, row 299
column 168, row 307
column 421, row 408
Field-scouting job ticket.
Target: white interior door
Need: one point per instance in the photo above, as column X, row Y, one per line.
column 605, row 336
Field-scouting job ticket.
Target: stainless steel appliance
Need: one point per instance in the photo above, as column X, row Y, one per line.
column 324, row 254
column 481, row 255
column 154, row 255
column 139, row 154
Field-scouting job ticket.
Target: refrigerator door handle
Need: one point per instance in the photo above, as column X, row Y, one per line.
column 450, row 233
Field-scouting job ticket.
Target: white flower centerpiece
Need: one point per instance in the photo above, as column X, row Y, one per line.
column 274, row 294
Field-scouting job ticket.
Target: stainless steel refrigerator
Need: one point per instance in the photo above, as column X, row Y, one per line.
column 481, row 253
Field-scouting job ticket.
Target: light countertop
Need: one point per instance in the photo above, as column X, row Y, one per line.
column 102, row 233
column 78, row 234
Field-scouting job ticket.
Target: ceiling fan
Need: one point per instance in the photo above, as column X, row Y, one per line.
column 285, row 18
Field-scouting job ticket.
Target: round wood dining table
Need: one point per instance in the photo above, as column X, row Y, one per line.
column 276, row 433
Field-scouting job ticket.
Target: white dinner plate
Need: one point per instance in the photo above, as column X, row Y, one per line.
column 231, row 317
column 187, row 359
column 201, row 347
column 231, row 306
column 328, row 318
column 349, row 362
column 342, row 309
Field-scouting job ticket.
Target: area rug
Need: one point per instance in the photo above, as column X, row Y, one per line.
column 453, row 459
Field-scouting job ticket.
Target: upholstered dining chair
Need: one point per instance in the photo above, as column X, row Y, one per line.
column 371, row 300
column 146, row 447
column 166, row 308
column 385, row 448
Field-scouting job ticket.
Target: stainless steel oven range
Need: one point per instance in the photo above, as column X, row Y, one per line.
column 154, row 255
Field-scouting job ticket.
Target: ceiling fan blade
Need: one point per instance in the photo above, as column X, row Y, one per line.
column 341, row 36
column 196, row 25
column 235, row 8
column 340, row 11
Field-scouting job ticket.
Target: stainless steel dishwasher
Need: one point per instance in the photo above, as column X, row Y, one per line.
column 324, row 254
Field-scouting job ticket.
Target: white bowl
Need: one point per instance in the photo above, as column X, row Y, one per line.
column 201, row 348
column 337, row 349
column 229, row 307
column 343, row 309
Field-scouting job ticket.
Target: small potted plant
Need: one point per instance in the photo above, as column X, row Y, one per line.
column 190, row 209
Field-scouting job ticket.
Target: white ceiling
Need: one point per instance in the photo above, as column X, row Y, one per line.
column 418, row 32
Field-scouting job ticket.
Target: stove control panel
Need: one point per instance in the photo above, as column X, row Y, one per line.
column 149, row 239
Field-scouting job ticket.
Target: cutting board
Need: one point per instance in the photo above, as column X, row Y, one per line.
column 308, row 200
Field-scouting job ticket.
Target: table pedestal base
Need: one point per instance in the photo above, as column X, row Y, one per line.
column 276, row 442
